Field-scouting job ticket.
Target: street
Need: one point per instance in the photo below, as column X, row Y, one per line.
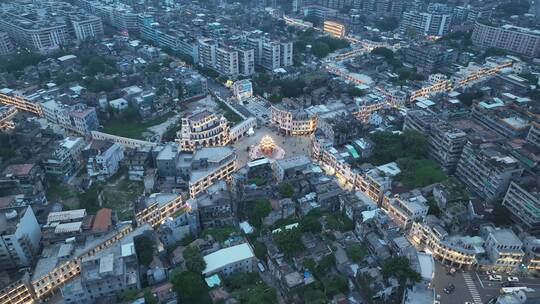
column 475, row 287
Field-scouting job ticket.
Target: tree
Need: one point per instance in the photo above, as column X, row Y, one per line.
column 260, row 250
column 194, row 260
column 334, row 285
column 190, row 287
column 292, row 88
column 288, row 241
column 309, row 264
column 387, row 24
column 364, row 282
column 384, row 52
column 261, row 294
column 500, row 215
column 416, row 173
column 355, row 92
column 356, row 252
column 261, row 208
column 325, row 265
column 286, row 190
column 320, row 49
column 149, row 297
column 144, row 247
column 310, row 224
column 313, row 296
column 400, row 268
column 95, row 65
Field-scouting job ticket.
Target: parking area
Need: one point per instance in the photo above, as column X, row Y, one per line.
column 475, row 287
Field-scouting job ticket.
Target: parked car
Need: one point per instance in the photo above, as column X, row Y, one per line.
column 513, row 279
column 449, row 289
column 495, row 277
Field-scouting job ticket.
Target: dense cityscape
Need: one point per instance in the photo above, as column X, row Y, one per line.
column 270, row 151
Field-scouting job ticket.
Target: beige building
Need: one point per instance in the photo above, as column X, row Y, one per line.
column 456, row 252
column 203, row 129
column 293, row 121
column 334, row 28
column 210, row 165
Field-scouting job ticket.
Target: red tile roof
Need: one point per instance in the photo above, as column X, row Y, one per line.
column 102, row 220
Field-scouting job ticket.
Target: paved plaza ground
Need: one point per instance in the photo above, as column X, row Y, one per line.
column 293, row 145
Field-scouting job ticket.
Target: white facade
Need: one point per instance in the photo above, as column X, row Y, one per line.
column 20, row 237
column 229, row 260
column 106, row 163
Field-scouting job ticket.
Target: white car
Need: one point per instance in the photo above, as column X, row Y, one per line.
column 513, row 279
column 495, row 277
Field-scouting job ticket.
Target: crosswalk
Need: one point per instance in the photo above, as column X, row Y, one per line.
column 469, row 282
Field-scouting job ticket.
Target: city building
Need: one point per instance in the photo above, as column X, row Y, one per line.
column 511, row 38
column 229, row 260
column 445, row 142
column 51, row 28
column 292, row 120
column 87, row 27
column 504, row 120
column 103, row 159
column 246, row 60
column 104, row 275
column 430, row 58
column 158, row 207
column 214, row 206
column 487, row 169
column 6, row 45
column 533, row 137
column 271, row 54
column 243, row 90
column 431, row 24
column 20, row 236
column 227, row 61
column 523, row 202
column 335, row 29
column 504, row 249
column 405, row 209
column 66, row 158
column 210, row 165
column 203, row 129
column 455, row 252
column 78, row 119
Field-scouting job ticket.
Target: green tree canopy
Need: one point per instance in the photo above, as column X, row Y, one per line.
column 193, row 259
column 261, row 208
column 387, row 24
column 399, row 267
column 286, row 190
column 190, row 287
column 320, row 49
column 145, row 247
column 288, row 241
column 356, row 252
column 384, row 52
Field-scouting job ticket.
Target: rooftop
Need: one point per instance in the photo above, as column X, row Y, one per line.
column 221, row 258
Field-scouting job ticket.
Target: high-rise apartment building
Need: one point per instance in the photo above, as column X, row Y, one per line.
column 433, row 24
column 226, row 61
column 511, row 38
column 487, row 169
column 87, row 27
column 51, row 28
column 6, row 46
column 523, row 201
column 246, row 61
